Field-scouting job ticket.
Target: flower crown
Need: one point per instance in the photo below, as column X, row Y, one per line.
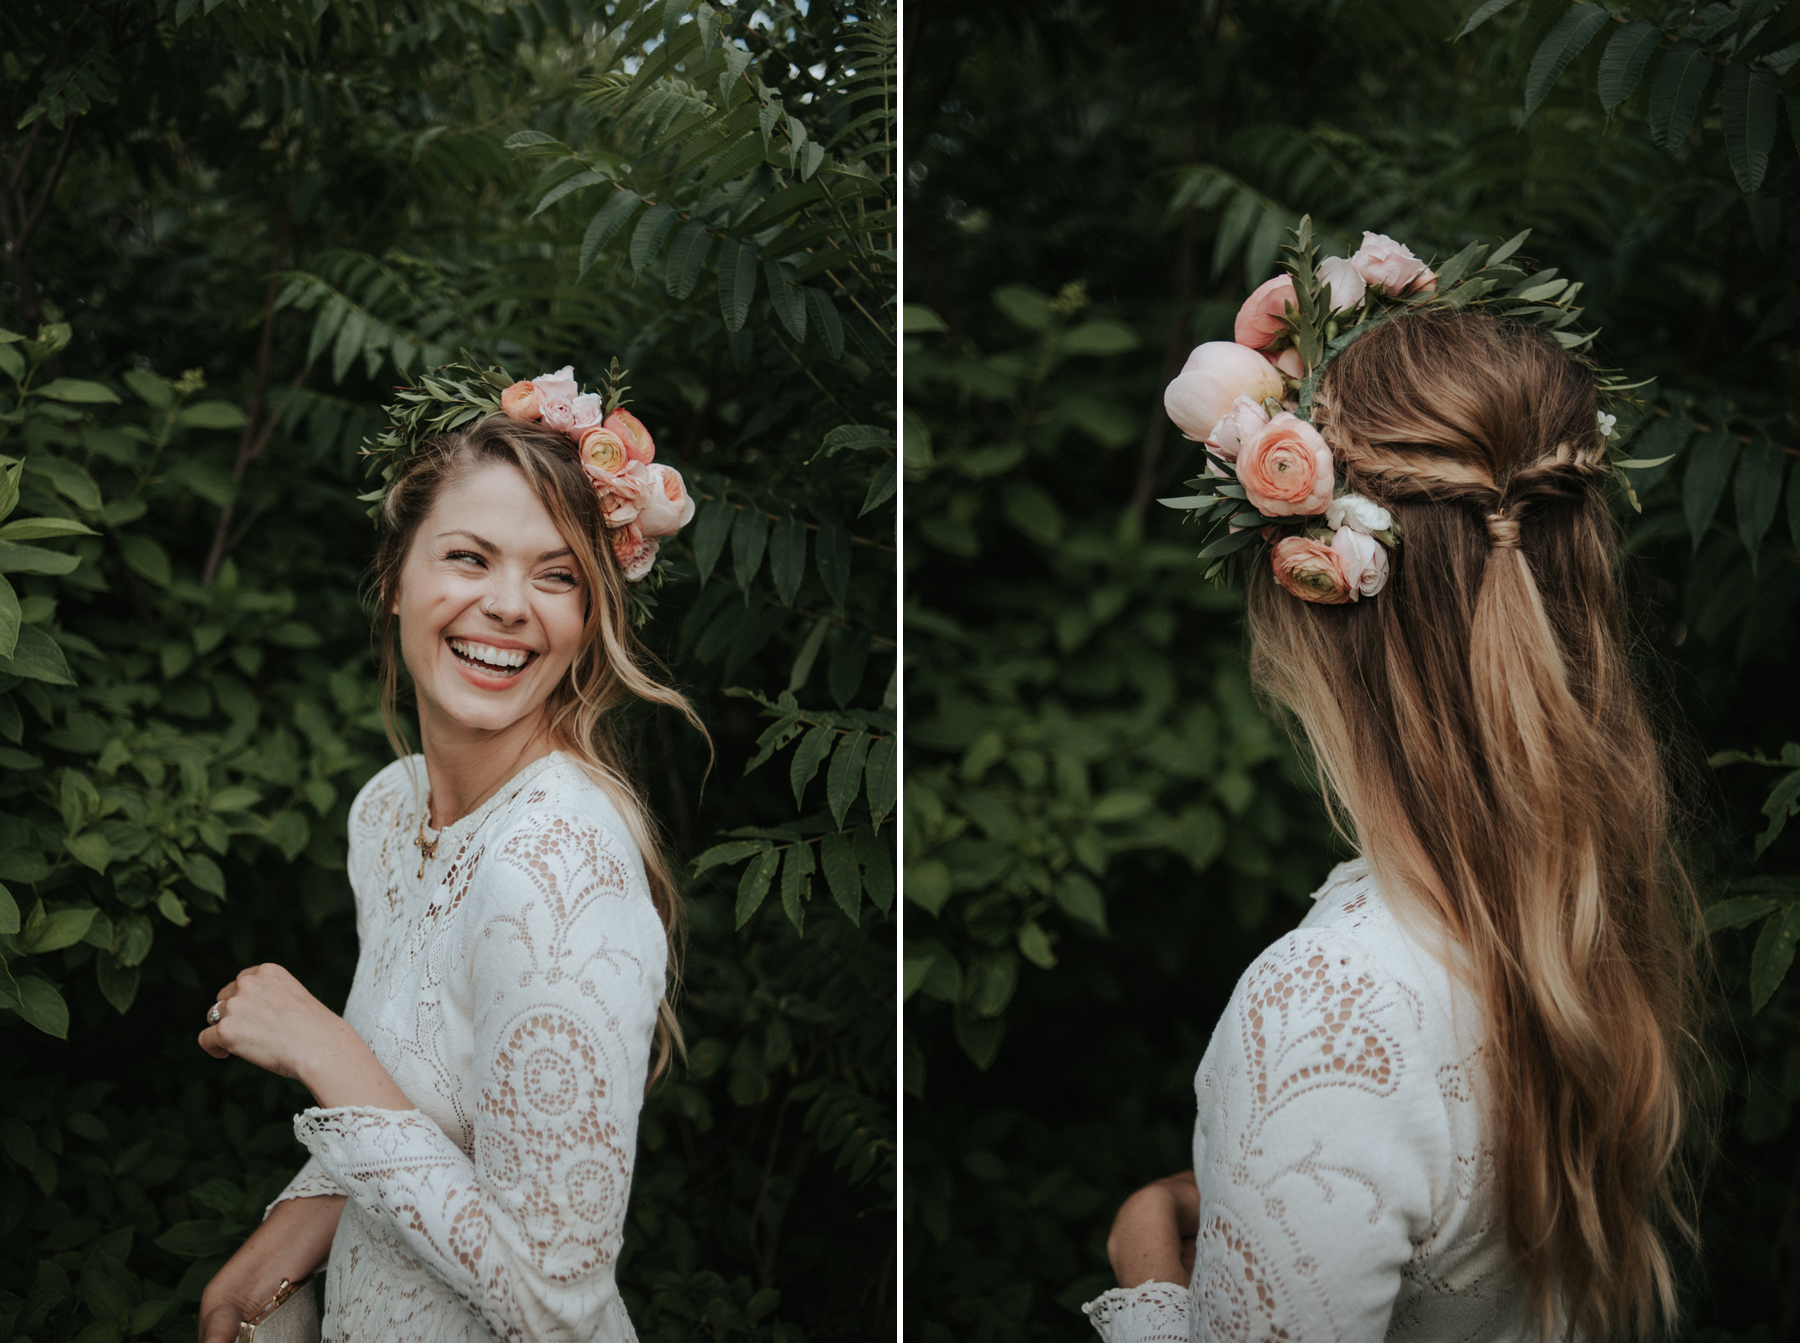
column 1249, row 400
column 642, row 500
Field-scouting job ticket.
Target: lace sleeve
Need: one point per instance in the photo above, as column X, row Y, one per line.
column 1324, row 1139
column 311, row 1182
column 1152, row 1312
column 565, row 960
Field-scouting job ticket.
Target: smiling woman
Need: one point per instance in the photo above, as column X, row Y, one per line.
column 473, row 1143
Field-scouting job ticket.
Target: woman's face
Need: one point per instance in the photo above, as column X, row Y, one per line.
column 491, row 604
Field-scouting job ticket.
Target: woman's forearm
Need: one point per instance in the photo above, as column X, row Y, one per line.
column 341, row 1069
column 292, row 1242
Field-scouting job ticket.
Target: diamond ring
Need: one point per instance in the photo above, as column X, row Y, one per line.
column 213, row 1014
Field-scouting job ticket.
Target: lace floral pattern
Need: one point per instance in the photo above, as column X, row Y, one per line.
column 511, row 992
column 1346, row 1182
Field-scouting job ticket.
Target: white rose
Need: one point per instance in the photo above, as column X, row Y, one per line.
column 1358, row 514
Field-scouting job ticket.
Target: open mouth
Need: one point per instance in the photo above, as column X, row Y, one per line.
column 489, row 660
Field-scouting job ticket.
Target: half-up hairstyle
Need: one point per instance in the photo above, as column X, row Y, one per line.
column 1477, row 725
column 609, row 668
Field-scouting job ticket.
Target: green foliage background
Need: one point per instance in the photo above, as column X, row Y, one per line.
column 1102, row 829
column 231, row 227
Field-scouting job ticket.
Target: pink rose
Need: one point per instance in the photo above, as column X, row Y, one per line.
column 558, row 415
column 1260, row 321
column 1339, row 275
column 621, row 493
column 520, row 401
column 1426, row 283
column 636, row 551
column 1215, row 375
column 1365, row 561
column 1312, row 571
column 1243, row 422
column 602, row 449
column 1382, row 261
column 667, row 506
column 557, row 386
column 587, row 412
column 1289, row 362
column 633, row 435
column 1286, row 469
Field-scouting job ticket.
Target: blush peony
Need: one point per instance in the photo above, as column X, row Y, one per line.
column 638, row 443
column 586, row 411
column 557, row 386
column 1260, row 321
column 1217, row 374
column 621, row 493
column 1339, row 275
column 1286, row 469
column 1312, row 571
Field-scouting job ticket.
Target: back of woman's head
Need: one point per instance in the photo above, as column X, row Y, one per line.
column 1478, row 725
column 610, row 668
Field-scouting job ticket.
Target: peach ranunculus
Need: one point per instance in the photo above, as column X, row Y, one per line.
column 1382, row 261
column 667, row 506
column 520, row 402
column 602, row 449
column 557, row 386
column 1243, row 422
column 1338, row 274
column 1365, row 561
column 1260, row 321
column 631, row 432
column 1312, row 571
column 1286, row 469
column 636, row 552
column 1215, row 375
column 587, row 413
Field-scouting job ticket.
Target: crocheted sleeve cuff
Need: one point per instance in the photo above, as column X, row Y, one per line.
column 1152, row 1312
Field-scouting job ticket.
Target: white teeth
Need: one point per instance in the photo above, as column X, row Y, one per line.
column 504, row 658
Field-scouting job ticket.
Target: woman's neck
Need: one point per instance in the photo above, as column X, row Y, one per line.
column 467, row 766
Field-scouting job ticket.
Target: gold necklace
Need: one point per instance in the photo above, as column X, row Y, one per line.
column 428, row 847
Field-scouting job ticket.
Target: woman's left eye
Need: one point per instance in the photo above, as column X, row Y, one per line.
column 563, row 577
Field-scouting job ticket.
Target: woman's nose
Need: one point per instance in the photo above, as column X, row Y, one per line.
column 507, row 601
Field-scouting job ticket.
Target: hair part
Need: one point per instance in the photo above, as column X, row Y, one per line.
column 608, row 671
column 1478, row 726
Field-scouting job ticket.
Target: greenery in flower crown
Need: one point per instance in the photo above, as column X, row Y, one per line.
column 444, row 399
column 1474, row 278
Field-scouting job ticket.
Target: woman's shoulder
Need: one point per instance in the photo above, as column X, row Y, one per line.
column 390, row 795
column 564, row 818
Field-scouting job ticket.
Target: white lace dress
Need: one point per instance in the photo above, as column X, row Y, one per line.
column 511, row 991
column 1347, row 1185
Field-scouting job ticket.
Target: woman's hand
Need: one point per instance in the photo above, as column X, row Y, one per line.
column 293, row 1242
column 267, row 1017
column 1152, row 1237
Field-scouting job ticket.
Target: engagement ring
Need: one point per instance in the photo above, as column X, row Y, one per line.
column 212, row 1015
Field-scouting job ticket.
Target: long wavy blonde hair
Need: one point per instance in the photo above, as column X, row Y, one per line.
column 1477, row 725
column 609, row 668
